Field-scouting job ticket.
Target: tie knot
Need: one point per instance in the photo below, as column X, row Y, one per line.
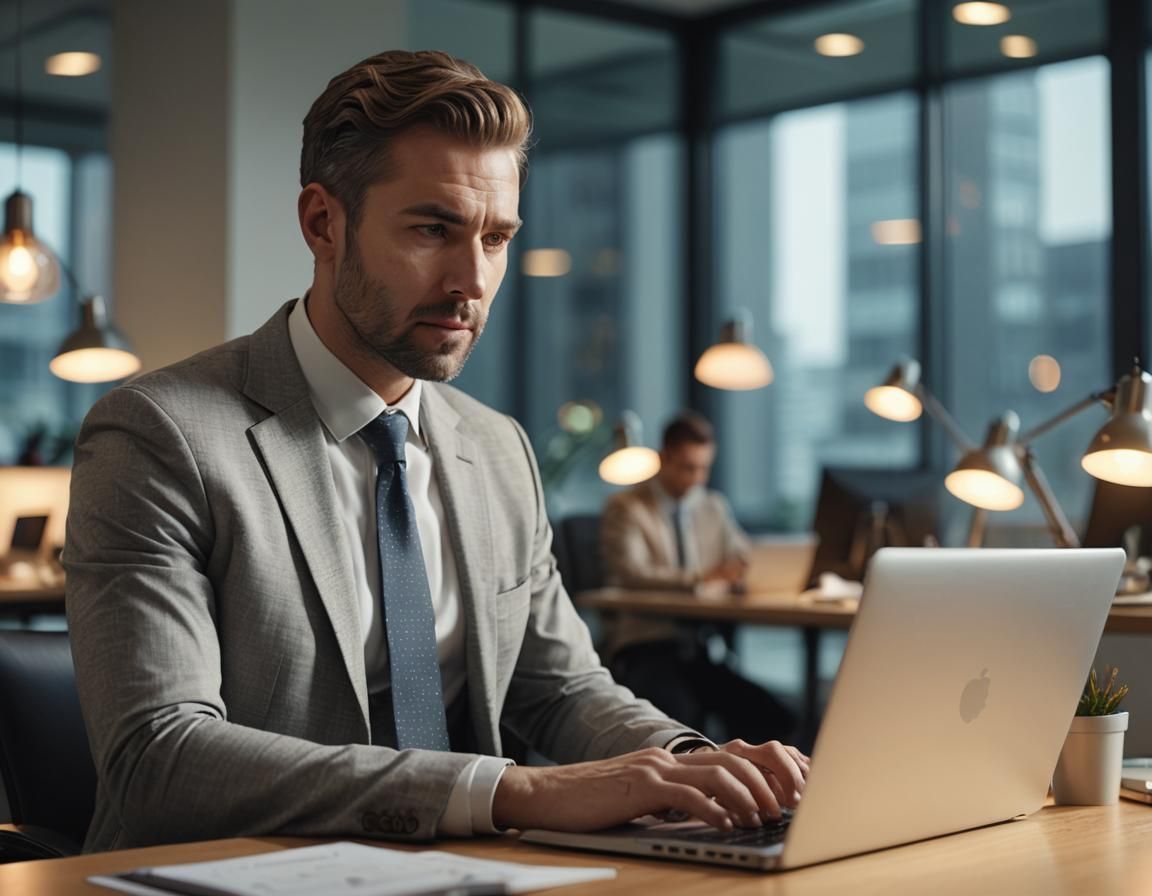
column 386, row 436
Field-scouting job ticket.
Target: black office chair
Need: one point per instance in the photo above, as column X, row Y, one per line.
column 45, row 761
column 579, row 554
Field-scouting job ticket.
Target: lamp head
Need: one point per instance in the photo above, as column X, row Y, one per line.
column 989, row 477
column 96, row 352
column 896, row 398
column 734, row 363
column 1121, row 451
column 629, row 462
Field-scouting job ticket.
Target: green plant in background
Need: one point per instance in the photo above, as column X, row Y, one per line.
column 1097, row 701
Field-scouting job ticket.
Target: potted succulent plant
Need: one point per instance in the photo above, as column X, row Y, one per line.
column 1088, row 771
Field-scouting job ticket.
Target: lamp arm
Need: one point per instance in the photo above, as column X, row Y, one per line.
column 1061, row 529
column 1103, row 397
column 946, row 420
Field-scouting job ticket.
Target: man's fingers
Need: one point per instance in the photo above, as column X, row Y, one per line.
column 773, row 757
column 691, row 801
column 738, row 784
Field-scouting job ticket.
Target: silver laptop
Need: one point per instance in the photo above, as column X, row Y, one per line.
column 780, row 565
column 960, row 678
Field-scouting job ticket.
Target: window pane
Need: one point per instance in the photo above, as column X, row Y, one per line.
column 1029, row 224
column 833, row 294
column 780, row 62
column 592, row 79
column 1033, row 31
column 606, row 330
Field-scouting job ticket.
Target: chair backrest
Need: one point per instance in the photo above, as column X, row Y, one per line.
column 45, row 761
column 579, row 557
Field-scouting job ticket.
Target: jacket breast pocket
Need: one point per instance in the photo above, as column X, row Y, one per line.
column 510, row 609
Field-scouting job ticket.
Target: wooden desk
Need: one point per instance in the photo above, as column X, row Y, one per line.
column 18, row 599
column 1099, row 850
column 792, row 610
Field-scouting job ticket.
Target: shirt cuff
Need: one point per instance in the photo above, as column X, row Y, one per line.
column 469, row 809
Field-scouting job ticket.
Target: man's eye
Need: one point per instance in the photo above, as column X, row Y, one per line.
column 495, row 240
column 433, row 229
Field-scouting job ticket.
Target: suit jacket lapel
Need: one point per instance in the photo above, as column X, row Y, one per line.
column 292, row 446
column 463, row 492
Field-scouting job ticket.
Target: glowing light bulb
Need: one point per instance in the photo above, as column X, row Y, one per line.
column 20, row 271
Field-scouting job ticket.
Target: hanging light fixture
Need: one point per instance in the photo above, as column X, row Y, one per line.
column 96, row 352
column 29, row 272
column 734, row 362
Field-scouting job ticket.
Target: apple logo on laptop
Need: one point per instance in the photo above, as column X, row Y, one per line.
column 975, row 696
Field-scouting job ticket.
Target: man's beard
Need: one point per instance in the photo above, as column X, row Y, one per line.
column 367, row 306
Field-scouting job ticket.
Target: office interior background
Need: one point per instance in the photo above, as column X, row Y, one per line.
column 972, row 196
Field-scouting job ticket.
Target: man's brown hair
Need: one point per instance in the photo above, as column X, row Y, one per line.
column 688, row 428
column 348, row 129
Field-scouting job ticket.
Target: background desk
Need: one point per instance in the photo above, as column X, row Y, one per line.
column 1099, row 850
column 790, row 610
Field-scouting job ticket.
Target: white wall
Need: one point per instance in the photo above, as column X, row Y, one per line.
column 208, row 100
column 283, row 54
column 169, row 146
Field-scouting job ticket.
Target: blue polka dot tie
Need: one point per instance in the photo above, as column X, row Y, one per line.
column 409, row 622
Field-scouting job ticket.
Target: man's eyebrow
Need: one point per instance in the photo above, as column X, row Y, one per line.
column 440, row 213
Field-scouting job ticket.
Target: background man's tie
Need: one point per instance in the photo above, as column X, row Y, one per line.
column 409, row 622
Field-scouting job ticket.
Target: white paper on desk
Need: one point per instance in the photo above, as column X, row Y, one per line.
column 344, row 869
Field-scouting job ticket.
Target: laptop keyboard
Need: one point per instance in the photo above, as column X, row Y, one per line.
column 769, row 834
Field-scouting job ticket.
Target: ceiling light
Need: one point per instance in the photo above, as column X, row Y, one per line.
column 545, row 263
column 1017, row 46
column 981, row 13
column 72, row 65
column 838, row 45
column 896, row 232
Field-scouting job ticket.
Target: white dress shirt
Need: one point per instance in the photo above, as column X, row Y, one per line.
column 345, row 404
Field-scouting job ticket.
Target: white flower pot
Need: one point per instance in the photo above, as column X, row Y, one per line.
column 1088, row 771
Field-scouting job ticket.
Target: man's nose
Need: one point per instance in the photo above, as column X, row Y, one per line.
column 467, row 275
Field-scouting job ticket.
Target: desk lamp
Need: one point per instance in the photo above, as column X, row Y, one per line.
column 629, row 461
column 989, row 476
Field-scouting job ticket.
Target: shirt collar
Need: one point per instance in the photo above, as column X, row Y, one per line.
column 343, row 401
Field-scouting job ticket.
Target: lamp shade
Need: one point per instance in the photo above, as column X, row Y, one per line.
column 734, row 363
column 629, row 462
column 895, row 398
column 1121, row 451
column 989, row 476
column 29, row 272
column 94, row 353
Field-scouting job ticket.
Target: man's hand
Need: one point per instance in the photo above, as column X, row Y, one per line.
column 738, row 785
column 732, row 570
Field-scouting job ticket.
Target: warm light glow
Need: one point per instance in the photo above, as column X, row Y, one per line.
column 893, row 403
column 1123, row 466
column 546, row 263
column 627, row 466
column 72, row 65
column 1017, row 46
column 94, row 365
column 27, row 272
column 896, row 232
column 1044, row 373
column 734, row 365
column 981, row 13
column 20, row 271
column 838, row 45
column 579, row 417
column 985, row 489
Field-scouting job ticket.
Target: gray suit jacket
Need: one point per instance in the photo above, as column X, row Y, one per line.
column 214, row 627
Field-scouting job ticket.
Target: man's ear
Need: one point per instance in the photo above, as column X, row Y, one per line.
column 321, row 222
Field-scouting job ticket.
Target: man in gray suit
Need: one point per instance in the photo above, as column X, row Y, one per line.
column 673, row 533
column 310, row 588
